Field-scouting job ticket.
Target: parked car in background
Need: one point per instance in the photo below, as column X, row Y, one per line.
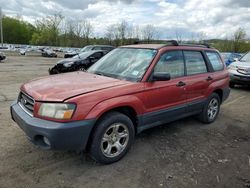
column 88, row 48
column 81, row 61
column 48, row 53
column 240, row 71
column 230, row 57
column 131, row 89
column 2, row 56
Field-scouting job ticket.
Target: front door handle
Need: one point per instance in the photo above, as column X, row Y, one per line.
column 209, row 78
column 180, row 84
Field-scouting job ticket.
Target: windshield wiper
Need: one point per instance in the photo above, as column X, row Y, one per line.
column 99, row 73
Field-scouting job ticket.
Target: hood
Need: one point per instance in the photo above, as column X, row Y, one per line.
column 71, row 53
column 63, row 86
column 241, row 64
column 67, row 60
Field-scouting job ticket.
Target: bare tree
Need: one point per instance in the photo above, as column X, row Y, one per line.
column 49, row 28
column 122, row 30
column 178, row 36
column 148, row 32
column 110, row 33
column 238, row 39
column 136, row 32
column 87, row 30
column 202, row 37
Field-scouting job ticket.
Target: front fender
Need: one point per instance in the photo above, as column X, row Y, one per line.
column 122, row 101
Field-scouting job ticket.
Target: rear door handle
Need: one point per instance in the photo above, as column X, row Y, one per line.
column 209, row 78
column 180, row 84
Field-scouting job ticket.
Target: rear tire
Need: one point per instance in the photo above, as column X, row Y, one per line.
column 54, row 71
column 211, row 109
column 112, row 138
column 82, row 68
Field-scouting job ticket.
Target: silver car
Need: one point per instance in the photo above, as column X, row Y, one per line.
column 240, row 71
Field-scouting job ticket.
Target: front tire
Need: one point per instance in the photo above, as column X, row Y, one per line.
column 211, row 109
column 82, row 68
column 112, row 138
column 54, row 71
column 231, row 85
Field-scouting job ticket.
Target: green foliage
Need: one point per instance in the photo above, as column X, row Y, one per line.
column 17, row 31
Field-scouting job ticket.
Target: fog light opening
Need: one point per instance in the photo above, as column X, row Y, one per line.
column 46, row 141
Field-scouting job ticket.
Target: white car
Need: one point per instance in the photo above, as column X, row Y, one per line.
column 240, row 71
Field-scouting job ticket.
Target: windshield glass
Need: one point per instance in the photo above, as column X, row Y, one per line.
column 86, row 48
column 124, row 63
column 246, row 58
column 225, row 55
column 83, row 55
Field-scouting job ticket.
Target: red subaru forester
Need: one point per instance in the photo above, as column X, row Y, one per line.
column 131, row 89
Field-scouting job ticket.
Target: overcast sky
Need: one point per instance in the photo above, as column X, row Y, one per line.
column 213, row 18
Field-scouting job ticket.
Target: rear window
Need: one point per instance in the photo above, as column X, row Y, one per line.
column 215, row 61
column 195, row 62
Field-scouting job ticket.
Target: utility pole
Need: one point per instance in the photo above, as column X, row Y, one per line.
column 1, row 25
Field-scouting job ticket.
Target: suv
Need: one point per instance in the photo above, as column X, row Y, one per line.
column 131, row 89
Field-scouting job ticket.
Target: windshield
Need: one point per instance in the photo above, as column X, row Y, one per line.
column 83, row 55
column 86, row 48
column 124, row 63
column 225, row 55
column 246, row 58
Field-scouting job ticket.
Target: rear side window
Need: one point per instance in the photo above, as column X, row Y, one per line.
column 171, row 62
column 215, row 61
column 195, row 62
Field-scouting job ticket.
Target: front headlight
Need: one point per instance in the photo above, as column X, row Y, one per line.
column 57, row 110
column 232, row 67
column 68, row 64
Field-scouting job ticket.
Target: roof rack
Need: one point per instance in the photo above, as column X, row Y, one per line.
column 196, row 45
column 172, row 42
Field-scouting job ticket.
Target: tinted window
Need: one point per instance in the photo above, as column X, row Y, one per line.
column 215, row 60
column 172, row 63
column 107, row 48
column 195, row 62
column 97, row 55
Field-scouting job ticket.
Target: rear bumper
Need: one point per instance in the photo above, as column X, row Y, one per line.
column 61, row 136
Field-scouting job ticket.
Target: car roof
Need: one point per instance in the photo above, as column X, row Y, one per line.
column 146, row 46
column 179, row 46
column 99, row 45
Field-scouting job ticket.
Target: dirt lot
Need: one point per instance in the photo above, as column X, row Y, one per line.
column 185, row 153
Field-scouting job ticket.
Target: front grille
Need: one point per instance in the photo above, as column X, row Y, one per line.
column 245, row 71
column 26, row 102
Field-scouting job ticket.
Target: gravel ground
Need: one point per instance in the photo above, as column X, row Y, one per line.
column 184, row 153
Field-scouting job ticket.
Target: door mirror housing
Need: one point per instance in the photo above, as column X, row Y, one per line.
column 161, row 76
column 236, row 59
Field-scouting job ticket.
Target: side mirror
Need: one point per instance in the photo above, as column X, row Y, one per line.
column 235, row 59
column 161, row 77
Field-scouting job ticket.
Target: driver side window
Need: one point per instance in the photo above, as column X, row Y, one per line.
column 172, row 63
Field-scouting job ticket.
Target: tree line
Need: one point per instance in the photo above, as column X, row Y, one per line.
column 55, row 30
